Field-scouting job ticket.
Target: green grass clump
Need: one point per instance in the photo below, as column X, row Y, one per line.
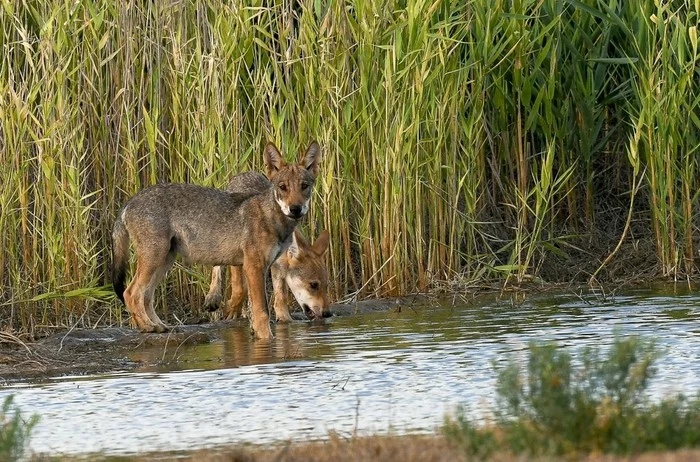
column 14, row 431
column 600, row 405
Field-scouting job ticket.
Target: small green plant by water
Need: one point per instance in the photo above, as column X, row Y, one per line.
column 14, row 431
column 600, row 404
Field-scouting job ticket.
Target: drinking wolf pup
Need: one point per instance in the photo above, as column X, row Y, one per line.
column 212, row 227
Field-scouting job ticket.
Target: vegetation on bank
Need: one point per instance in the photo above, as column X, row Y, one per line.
column 15, row 431
column 599, row 404
column 464, row 140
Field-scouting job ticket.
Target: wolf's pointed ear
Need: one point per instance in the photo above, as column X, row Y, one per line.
column 320, row 245
column 312, row 158
column 297, row 246
column 273, row 160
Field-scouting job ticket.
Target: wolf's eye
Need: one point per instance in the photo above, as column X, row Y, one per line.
column 283, row 186
column 314, row 285
column 304, row 185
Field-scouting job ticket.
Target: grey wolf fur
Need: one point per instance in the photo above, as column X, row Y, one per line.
column 213, row 227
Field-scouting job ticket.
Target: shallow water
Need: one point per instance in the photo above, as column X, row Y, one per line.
column 394, row 372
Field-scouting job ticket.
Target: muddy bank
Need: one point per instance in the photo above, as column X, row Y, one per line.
column 89, row 351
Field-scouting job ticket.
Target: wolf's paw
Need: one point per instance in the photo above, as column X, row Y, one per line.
column 161, row 328
column 154, row 328
column 233, row 311
column 283, row 316
column 212, row 302
column 263, row 333
column 148, row 329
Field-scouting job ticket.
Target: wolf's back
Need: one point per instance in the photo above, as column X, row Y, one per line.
column 248, row 183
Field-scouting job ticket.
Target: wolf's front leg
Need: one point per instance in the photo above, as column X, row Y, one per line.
column 280, row 300
column 254, row 269
column 239, row 293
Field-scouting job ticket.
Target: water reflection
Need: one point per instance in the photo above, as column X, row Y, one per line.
column 237, row 348
column 399, row 371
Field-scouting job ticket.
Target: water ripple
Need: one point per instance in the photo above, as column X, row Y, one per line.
column 378, row 372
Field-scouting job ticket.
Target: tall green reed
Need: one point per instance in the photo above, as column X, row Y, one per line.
column 464, row 141
column 664, row 110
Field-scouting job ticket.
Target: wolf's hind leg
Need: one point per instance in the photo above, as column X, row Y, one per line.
column 239, row 293
column 213, row 299
column 155, row 256
column 134, row 300
column 156, row 278
column 139, row 295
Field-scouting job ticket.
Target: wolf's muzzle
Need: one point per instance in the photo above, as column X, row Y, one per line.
column 296, row 211
column 309, row 312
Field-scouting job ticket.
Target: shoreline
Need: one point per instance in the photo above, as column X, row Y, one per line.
column 84, row 351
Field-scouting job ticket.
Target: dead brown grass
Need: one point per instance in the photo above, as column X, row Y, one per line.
column 374, row 448
column 418, row 448
column 685, row 455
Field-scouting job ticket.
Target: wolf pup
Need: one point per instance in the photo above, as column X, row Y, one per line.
column 300, row 265
column 212, row 227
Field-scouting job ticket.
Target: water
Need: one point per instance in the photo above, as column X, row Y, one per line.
column 398, row 372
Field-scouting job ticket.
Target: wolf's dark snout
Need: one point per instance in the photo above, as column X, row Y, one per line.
column 327, row 314
column 295, row 210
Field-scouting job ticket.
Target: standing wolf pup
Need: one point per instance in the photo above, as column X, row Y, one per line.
column 300, row 266
column 213, row 227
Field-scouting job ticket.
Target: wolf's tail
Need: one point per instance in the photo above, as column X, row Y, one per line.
column 120, row 256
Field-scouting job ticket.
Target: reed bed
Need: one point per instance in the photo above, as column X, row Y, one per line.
column 464, row 141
